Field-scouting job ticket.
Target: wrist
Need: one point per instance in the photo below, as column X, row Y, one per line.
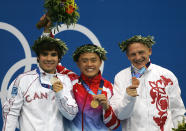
column 47, row 30
column 106, row 107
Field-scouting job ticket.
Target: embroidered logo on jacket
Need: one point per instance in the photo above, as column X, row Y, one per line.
column 160, row 99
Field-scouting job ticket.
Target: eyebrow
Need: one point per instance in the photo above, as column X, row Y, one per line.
column 89, row 58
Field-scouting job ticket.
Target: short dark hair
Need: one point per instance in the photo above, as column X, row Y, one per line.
column 48, row 44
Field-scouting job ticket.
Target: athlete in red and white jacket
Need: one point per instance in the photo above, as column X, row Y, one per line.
column 83, row 98
column 88, row 118
column 91, row 117
column 107, row 117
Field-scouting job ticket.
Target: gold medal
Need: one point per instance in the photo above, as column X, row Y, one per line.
column 94, row 104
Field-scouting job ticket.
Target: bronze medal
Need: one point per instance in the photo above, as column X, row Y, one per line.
column 94, row 104
column 135, row 81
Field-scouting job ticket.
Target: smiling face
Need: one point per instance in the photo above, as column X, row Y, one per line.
column 48, row 60
column 89, row 64
column 138, row 54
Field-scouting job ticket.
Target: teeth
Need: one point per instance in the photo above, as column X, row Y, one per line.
column 139, row 61
column 89, row 69
column 48, row 64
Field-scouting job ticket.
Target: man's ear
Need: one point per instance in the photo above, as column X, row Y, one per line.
column 150, row 51
column 127, row 55
column 77, row 63
column 59, row 60
column 38, row 59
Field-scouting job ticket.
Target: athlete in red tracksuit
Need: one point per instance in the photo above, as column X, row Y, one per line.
column 89, row 118
column 101, row 118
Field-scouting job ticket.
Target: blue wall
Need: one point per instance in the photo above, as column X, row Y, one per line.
column 111, row 22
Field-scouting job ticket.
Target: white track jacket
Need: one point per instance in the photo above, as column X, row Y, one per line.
column 158, row 107
column 35, row 107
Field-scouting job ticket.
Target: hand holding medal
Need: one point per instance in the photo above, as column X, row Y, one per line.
column 94, row 103
column 96, row 98
column 132, row 90
column 56, row 84
column 100, row 100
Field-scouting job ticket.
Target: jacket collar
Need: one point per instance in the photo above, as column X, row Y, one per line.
column 45, row 77
column 90, row 81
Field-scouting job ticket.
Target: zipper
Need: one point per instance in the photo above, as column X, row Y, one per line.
column 83, row 110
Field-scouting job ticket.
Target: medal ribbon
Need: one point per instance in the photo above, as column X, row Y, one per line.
column 42, row 84
column 140, row 72
column 89, row 90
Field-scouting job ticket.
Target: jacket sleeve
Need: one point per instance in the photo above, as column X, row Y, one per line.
column 121, row 102
column 62, row 70
column 65, row 100
column 12, row 107
column 109, row 117
column 176, row 104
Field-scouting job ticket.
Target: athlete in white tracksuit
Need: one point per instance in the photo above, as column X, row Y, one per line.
column 35, row 97
column 158, row 107
column 36, row 106
column 146, row 96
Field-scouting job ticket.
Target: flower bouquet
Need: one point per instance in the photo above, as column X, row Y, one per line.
column 59, row 11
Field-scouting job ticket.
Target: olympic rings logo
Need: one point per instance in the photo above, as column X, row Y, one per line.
column 29, row 60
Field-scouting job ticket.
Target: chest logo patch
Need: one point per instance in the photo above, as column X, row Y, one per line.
column 14, row 91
